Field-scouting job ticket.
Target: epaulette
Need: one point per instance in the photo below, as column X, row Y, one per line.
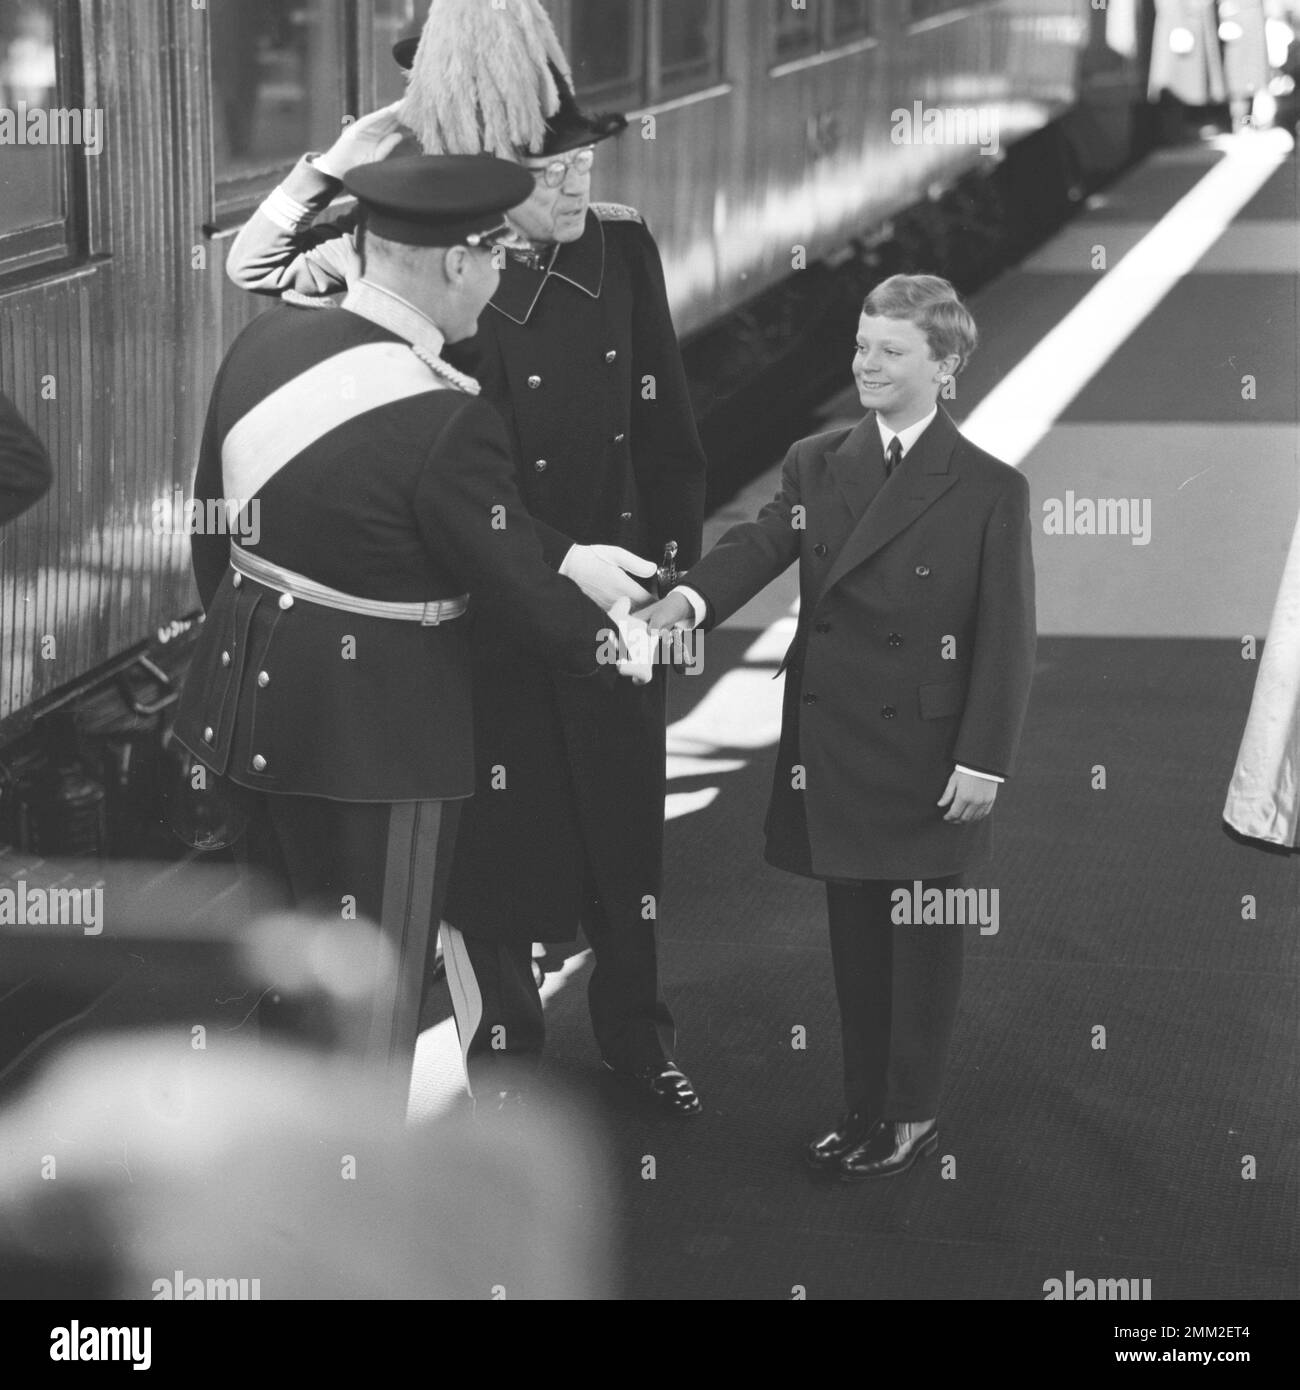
column 617, row 212
column 309, row 301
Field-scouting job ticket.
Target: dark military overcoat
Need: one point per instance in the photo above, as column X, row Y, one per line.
column 582, row 361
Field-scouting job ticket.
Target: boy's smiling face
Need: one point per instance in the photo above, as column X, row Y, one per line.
column 895, row 373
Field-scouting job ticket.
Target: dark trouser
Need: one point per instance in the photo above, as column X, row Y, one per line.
column 897, row 986
column 499, row 1011
column 386, row 863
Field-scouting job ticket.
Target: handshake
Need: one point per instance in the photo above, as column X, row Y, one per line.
column 604, row 573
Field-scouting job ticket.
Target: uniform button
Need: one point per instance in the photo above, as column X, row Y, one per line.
column 619, row 438
column 822, row 626
column 611, row 356
column 895, row 640
column 225, row 658
column 286, row 600
column 819, row 549
column 539, row 466
column 237, row 580
column 534, row 382
column 888, row 712
column 263, row 679
column 207, row 734
column 810, row 698
column 922, row 571
column 259, row 763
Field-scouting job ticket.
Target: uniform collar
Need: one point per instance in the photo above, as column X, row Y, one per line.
column 388, row 310
column 906, row 437
column 581, row 263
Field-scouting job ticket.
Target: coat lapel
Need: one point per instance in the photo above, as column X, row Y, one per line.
column 858, row 465
column 581, row 263
column 924, row 476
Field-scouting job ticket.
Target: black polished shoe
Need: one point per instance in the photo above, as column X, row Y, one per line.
column 665, row 1084
column 822, row 1153
column 890, row 1147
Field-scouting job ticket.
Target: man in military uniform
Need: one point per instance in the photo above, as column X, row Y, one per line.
column 333, row 670
column 579, row 354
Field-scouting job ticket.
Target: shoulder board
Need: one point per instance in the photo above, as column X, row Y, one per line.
column 617, row 212
column 308, row 301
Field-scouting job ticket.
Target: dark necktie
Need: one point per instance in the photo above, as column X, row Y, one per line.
column 893, row 456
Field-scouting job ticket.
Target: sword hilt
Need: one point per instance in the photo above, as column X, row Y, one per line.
column 667, row 572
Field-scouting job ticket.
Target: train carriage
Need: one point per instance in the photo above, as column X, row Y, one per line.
column 767, row 137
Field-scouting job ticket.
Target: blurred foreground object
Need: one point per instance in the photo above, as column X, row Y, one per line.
column 1264, row 796
column 1185, row 56
column 137, row 1168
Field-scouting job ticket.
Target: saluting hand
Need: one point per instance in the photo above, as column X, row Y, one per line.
column 363, row 141
column 972, row 797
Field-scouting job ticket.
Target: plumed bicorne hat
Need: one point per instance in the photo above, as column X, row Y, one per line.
column 491, row 78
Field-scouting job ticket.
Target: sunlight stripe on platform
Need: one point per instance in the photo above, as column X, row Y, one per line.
column 1020, row 410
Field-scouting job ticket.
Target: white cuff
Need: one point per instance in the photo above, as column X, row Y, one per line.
column 987, row 776
column 698, row 605
column 320, row 162
column 287, row 213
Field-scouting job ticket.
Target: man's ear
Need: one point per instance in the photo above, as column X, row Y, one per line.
column 455, row 264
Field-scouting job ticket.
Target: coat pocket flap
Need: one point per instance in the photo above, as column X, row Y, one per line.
column 940, row 700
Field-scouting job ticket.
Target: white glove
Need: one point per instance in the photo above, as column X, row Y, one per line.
column 598, row 571
column 637, row 639
column 363, row 141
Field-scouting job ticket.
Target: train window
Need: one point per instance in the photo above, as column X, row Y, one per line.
column 796, row 31
column 928, row 9
column 690, row 49
column 801, row 28
column 279, row 84
column 850, row 19
column 39, row 123
column 606, row 48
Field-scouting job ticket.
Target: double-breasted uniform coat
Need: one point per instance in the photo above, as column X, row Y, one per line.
column 335, row 455
column 582, row 361
column 913, row 652
column 581, row 358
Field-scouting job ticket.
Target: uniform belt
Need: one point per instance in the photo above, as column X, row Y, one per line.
column 277, row 577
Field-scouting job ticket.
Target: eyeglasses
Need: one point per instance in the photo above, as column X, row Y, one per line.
column 554, row 174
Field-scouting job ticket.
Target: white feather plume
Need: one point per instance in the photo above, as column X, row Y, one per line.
column 480, row 83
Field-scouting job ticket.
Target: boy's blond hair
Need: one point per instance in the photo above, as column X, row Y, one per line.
column 932, row 304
